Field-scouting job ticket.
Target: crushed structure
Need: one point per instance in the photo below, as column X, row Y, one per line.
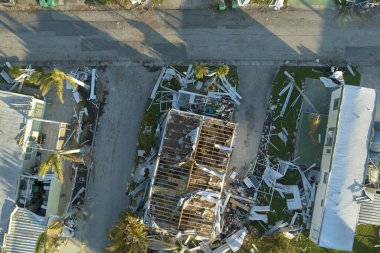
column 215, row 97
column 189, row 174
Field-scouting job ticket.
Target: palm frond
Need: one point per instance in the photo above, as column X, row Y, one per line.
column 59, row 90
column 128, row 235
column 222, row 71
column 71, row 158
column 47, row 81
column 46, row 165
column 41, row 243
column 71, row 81
column 200, row 71
column 46, row 86
column 35, row 77
column 57, row 167
column 55, row 228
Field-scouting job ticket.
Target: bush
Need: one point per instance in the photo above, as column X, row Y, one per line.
column 151, row 118
column 147, row 141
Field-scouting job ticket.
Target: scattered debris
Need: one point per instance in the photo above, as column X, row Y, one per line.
column 278, row 4
column 235, row 241
column 243, row 3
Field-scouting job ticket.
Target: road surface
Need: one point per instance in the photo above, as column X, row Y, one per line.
column 247, row 37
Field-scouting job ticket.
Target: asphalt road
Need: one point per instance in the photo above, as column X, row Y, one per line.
column 247, row 37
column 255, row 41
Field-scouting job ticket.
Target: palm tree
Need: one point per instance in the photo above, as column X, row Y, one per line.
column 55, row 78
column 200, row 70
column 47, row 240
column 129, row 235
column 222, row 71
column 54, row 162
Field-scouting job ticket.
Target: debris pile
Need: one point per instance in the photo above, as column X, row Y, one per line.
column 211, row 95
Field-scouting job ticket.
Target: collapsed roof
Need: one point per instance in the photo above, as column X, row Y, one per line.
column 189, row 174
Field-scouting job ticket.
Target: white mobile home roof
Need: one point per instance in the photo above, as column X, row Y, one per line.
column 348, row 167
column 13, row 113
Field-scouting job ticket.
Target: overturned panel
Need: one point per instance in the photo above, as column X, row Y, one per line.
column 193, row 158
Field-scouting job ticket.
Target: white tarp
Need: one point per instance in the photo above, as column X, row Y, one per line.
column 347, row 168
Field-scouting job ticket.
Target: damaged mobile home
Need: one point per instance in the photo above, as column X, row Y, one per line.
column 343, row 166
column 27, row 199
column 189, row 175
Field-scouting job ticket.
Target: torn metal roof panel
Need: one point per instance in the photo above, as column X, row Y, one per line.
column 370, row 211
column 24, row 230
column 192, row 158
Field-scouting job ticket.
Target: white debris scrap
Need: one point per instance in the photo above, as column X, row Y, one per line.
column 93, row 78
column 279, row 224
column 6, row 77
column 209, row 171
column 283, row 135
column 287, row 87
column 255, row 216
column 158, row 82
column 286, row 101
column 235, row 241
column 328, row 83
column 338, row 75
column 76, row 96
column 225, row 148
column 243, row 3
column 288, row 235
column 278, row 4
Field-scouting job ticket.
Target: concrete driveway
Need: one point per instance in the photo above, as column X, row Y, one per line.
column 115, row 148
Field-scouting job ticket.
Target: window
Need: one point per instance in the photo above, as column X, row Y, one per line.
column 328, row 151
column 330, row 136
column 322, row 201
column 28, row 150
column 336, row 104
column 325, row 177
